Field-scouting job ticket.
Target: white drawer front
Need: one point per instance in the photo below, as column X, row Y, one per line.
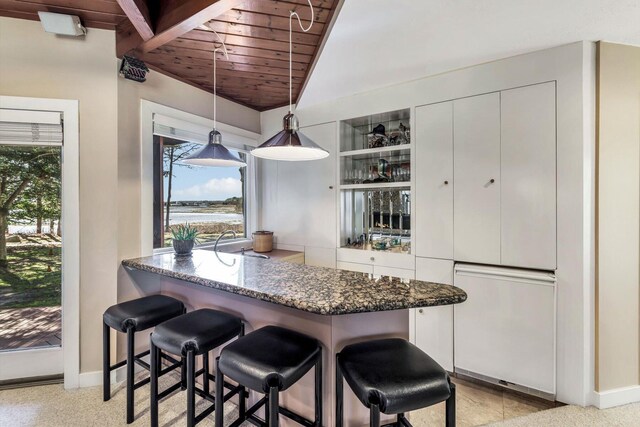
column 353, row 266
column 386, row 259
column 506, row 330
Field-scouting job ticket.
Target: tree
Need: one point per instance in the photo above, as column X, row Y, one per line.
column 21, row 168
column 173, row 151
column 39, row 201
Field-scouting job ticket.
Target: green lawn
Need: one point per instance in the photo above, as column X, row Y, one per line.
column 33, row 278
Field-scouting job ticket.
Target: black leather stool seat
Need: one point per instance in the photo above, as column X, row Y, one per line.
column 268, row 357
column 142, row 313
column 200, row 331
column 393, row 374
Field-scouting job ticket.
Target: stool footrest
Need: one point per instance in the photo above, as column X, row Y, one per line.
column 136, row 359
column 250, row 416
column 141, row 383
column 205, row 413
column 168, row 391
column 142, row 363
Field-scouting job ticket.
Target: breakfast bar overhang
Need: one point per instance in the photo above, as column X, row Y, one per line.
column 337, row 307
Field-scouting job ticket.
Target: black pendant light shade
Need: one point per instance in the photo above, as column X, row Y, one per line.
column 289, row 144
column 214, row 154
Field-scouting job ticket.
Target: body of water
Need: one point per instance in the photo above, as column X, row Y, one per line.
column 193, row 217
column 29, row 229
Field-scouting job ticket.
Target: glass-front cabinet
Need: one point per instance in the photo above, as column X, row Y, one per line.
column 375, row 182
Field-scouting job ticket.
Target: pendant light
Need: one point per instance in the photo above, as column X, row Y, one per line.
column 214, row 153
column 289, row 144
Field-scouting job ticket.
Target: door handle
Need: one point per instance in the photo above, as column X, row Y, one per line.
column 492, row 180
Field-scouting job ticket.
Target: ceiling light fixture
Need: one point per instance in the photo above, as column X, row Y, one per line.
column 59, row 23
column 289, row 144
column 214, row 153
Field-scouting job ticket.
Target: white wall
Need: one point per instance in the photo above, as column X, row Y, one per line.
column 573, row 67
column 38, row 64
column 170, row 92
column 618, row 313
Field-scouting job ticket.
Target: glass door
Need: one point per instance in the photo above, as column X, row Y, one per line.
column 30, row 258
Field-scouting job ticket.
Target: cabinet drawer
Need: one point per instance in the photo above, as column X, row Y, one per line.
column 506, row 328
column 400, row 273
column 352, row 266
column 386, row 259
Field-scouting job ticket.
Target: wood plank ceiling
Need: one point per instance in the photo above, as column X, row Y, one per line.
column 176, row 38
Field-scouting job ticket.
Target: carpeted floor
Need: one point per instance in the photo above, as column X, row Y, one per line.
column 575, row 416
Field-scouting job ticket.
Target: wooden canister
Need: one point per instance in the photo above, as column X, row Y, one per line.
column 263, row 241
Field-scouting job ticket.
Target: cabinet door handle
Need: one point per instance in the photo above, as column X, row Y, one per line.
column 446, row 183
column 421, row 311
column 372, row 259
column 492, row 180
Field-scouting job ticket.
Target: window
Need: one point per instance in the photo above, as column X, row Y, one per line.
column 212, row 199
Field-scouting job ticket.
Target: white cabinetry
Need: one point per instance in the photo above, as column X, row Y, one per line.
column 506, row 328
column 476, row 144
column 304, row 200
column 354, row 266
column 434, row 325
column 434, row 181
column 528, row 184
column 377, row 270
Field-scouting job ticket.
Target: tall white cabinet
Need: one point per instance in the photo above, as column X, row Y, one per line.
column 476, row 200
column 528, row 184
column 486, row 195
column 499, row 207
column 434, row 176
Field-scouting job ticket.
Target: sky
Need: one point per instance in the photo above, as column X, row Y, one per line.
column 204, row 183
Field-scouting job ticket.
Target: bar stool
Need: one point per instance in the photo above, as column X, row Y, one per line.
column 190, row 335
column 393, row 376
column 131, row 317
column 270, row 360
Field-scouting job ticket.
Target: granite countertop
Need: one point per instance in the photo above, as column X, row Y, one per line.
column 319, row 290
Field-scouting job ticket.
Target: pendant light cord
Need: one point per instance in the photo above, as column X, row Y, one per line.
column 223, row 48
column 291, row 15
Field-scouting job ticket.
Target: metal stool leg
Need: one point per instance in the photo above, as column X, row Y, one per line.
column 318, row 369
column 191, row 393
column 451, row 407
column 205, row 374
column 219, row 412
column 374, row 420
column 339, row 395
column 106, row 362
column 183, row 373
column 153, row 392
column 130, row 373
column 274, row 410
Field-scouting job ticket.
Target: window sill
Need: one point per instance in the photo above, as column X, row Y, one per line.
column 234, row 245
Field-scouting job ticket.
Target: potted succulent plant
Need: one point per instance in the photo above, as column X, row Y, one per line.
column 184, row 237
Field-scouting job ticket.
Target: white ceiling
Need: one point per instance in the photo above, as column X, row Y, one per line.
column 377, row 43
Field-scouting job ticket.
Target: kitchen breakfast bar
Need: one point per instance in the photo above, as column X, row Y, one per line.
column 336, row 307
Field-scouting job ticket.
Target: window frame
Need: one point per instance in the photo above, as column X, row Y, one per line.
column 184, row 120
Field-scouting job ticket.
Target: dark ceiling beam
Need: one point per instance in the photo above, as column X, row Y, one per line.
column 177, row 19
column 138, row 13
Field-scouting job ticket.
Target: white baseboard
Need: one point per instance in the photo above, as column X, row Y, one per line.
column 93, row 379
column 617, row 397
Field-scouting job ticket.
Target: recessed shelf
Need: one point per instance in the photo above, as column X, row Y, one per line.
column 377, row 185
column 393, row 150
